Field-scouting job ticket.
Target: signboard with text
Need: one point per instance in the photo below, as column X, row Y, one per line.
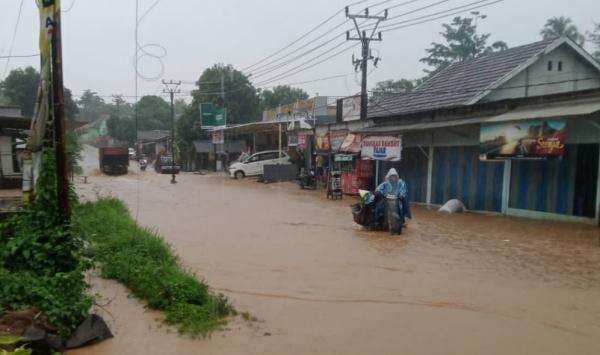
column 528, row 139
column 382, row 148
column 337, row 138
column 213, row 117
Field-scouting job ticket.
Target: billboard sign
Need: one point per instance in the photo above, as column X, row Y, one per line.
column 382, row 148
column 351, row 109
column 528, row 139
column 212, row 117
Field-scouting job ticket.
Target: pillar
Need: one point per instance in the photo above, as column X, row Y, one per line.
column 429, row 174
column 506, row 186
column 598, row 193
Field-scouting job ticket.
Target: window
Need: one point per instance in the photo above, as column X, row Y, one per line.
column 550, row 65
column 559, row 66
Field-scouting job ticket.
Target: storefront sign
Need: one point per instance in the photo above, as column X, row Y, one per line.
column 337, row 138
column 343, row 157
column 382, row 148
column 528, row 139
column 351, row 109
column 302, row 141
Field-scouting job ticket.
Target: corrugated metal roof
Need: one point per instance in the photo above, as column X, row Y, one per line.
column 460, row 82
column 581, row 108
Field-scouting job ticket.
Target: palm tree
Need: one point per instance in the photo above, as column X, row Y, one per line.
column 562, row 26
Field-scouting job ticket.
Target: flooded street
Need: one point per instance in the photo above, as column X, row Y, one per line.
column 319, row 284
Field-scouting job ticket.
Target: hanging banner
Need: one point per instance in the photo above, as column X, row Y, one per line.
column 382, row 148
column 41, row 114
column 337, row 138
column 527, row 139
column 322, row 142
column 351, row 143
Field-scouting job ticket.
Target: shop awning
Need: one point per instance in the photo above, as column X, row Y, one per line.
column 581, row 108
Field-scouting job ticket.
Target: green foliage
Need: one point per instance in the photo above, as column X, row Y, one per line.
column 241, row 99
column 141, row 260
column 74, row 149
column 122, row 129
column 281, row 95
column 91, row 106
column 20, row 88
column 153, row 113
column 9, row 345
column 461, row 42
column 41, row 260
column 557, row 27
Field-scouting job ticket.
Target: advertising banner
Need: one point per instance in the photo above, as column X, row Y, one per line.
column 337, row 138
column 528, row 139
column 351, row 143
column 302, row 141
column 322, row 142
column 382, row 148
column 351, row 109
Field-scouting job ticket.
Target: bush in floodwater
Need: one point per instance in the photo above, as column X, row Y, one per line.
column 145, row 263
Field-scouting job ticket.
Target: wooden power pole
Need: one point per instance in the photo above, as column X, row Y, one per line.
column 58, row 105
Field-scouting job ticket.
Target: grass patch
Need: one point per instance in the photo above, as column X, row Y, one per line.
column 141, row 260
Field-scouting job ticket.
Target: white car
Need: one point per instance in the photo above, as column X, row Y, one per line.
column 254, row 165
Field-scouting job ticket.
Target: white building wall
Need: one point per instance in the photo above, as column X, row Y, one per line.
column 574, row 76
column 6, row 155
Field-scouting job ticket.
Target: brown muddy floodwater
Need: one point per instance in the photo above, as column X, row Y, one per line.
column 318, row 284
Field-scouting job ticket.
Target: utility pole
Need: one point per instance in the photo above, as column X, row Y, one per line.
column 365, row 40
column 58, row 106
column 172, row 88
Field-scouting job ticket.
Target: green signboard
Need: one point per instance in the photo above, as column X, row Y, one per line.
column 212, row 117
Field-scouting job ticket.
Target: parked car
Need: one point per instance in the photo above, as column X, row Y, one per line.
column 254, row 165
column 165, row 165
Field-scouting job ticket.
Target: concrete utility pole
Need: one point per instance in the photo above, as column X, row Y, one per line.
column 172, row 88
column 58, row 105
column 362, row 63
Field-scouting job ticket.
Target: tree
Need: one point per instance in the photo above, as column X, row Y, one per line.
column 281, row 95
column 122, row 128
column 91, row 106
column 241, row 100
column 461, row 43
column 557, row 27
column 594, row 37
column 153, row 113
column 20, row 89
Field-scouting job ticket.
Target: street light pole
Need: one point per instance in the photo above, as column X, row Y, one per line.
column 172, row 88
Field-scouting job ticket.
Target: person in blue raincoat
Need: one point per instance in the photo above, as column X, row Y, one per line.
column 393, row 185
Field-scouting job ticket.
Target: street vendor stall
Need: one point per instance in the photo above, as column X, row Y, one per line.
column 357, row 174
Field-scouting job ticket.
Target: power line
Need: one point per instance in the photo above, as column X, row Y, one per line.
column 302, row 36
column 14, row 35
column 19, row 56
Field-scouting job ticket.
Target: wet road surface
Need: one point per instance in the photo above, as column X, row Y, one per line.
column 318, row 284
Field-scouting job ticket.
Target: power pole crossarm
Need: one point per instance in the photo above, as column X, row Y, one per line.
column 365, row 40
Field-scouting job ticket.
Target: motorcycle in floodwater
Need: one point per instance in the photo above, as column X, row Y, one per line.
column 143, row 164
column 368, row 214
column 307, row 180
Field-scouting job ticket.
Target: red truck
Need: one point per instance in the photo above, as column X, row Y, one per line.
column 114, row 160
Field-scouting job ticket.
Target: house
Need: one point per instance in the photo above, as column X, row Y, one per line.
column 12, row 127
column 514, row 132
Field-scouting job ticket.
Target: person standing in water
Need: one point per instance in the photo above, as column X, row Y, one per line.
column 393, row 185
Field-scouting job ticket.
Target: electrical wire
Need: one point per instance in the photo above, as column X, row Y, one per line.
column 70, row 6
column 12, row 41
column 19, row 56
column 303, row 35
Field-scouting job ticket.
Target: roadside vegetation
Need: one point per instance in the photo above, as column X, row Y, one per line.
column 141, row 260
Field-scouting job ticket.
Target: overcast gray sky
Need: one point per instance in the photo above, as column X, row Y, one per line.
column 99, row 37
